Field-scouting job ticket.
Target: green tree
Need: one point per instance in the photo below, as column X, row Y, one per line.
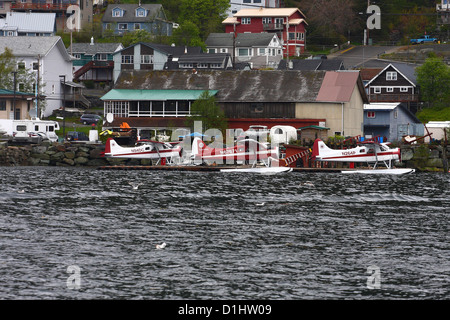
column 206, row 110
column 206, row 14
column 188, row 34
column 433, row 78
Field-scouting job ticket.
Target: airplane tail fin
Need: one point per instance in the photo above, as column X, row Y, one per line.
column 319, row 149
column 198, row 146
column 111, row 146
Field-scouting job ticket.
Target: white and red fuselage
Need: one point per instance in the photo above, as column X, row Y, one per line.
column 147, row 150
column 244, row 150
column 370, row 152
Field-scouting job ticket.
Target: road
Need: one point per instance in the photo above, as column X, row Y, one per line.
column 355, row 57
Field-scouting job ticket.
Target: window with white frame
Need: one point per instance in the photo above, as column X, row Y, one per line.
column 102, row 56
column 300, row 36
column 202, row 65
column 266, row 20
column 117, row 13
column 370, row 114
column 391, row 75
column 246, row 20
column 137, row 26
column 186, row 65
column 216, row 65
column 53, row 89
column 211, row 50
column 146, row 59
column 403, row 89
column 262, row 51
column 140, row 12
column 122, row 26
column 291, row 35
column 223, row 50
column 390, row 89
column 127, row 59
column 376, row 90
column 243, row 52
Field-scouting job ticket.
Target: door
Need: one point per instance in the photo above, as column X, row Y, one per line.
column 17, row 114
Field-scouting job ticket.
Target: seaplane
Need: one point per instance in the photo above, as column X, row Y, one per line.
column 245, row 151
column 144, row 149
column 369, row 151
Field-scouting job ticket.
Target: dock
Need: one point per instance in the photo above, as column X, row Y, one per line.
column 208, row 168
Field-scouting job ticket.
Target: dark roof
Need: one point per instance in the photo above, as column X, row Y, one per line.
column 92, row 49
column 407, row 70
column 242, row 39
column 154, row 11
column 313, row 64
column 233, row 86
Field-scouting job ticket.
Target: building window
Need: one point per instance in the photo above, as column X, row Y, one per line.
column 127, row 59
column 108, row 26
column 266, row 20
column 291, row 35
column 376, row 90
column 117, row 13
column 2, row 105
column 211, row 50
column 404, row 89
column 370, row 114
column 300, row 36
column 391, row 76
column 262, row 51
column 137, row 26
column 186, row 65
column 246, row 20
column 396, row 114
column 202, row 65
column 216, row 65
column 123, row 26
column 390, row 89
column 243, row 52
column 102, row 56
column 140, row 12
column 53, row 89
column 146, row 59
column 223, row 50
column 21, row 65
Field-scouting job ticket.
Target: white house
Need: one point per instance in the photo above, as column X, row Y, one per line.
column 261, row 50
column 28, row 24
column 49, row 59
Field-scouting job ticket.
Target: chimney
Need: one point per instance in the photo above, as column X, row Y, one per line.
column 92, row 41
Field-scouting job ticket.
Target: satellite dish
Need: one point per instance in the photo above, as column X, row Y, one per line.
column 109, row 117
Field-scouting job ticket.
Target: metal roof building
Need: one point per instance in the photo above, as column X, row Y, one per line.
column 28, row 24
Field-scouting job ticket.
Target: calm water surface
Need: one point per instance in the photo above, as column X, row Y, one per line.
column 228, row 236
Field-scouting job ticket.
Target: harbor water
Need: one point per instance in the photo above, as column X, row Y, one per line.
column 77, row 233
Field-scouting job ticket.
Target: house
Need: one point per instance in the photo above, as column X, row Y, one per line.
column 148, row 56
column 122, row 18
column 5, row 7
column 312, row 64
column 94, row 61
column 15, row 105
column 84, row 11
column 396, row 82
column 289, row 24
column 256, row 97
column 49, row 59
column 28, row 24
column 260, row 50
column 391, row 121
column 216, row 61
column 236, row 5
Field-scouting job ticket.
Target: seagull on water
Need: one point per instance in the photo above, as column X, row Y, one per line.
column 21, row 191
column 261, row 204
column 135, row 185
column 161, row 246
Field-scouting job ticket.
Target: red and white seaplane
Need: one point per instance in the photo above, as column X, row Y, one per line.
column 369, row 151
column 246, row 151
column 144, row 149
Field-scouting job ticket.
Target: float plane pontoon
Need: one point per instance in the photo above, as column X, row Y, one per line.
column 369, row 151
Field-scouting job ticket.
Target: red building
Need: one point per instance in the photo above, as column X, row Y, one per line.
column 288, row 23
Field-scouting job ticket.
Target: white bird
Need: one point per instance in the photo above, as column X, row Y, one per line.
column 161, row 246
column 135, row 185
column 21, row 191
column 308, row 183
column 261, row 204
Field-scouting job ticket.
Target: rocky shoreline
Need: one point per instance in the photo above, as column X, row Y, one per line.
column 80, row 154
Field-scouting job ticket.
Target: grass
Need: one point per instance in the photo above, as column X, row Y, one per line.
column 434, row 114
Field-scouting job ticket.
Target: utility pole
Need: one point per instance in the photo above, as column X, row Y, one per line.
column 64, row 105
column 14, row 97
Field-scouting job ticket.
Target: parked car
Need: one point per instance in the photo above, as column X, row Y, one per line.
column 76, row 136
column 423, row 39
column 90, row 118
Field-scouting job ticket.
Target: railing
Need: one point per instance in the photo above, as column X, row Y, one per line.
column 158, row 113
column 273, row 26
column 79, row 98
column 40, row 6
column 393, row 97
column 92, row 64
